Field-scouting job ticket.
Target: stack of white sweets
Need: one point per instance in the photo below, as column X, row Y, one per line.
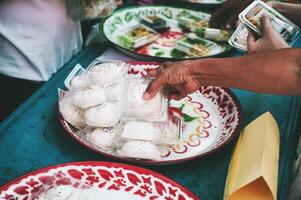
column 106, row 104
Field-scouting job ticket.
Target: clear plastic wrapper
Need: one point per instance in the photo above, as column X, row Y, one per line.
column 88, row 96
column 139, row 150
column 239, row 38
column 90, row 9
column 190, row 21
column 134, row 107
column 161, row 133
column 253, row 14
column 137, row 36
column 104, row 115
column 104, row 138
column 213, row 34
column 60, row 187
column 155, row 22
column 70, row 113
column 195, row 46
column 113, row 92
column 106, row 73
column 105, row 103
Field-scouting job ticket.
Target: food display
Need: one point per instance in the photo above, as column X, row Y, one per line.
column 104, row 103
column 124, row 128
column 153, row 32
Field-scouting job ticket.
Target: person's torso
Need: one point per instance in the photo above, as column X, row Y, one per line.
column 36, row 38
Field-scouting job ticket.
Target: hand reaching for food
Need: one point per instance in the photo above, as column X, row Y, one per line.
column 178, row 79
column 270, row 40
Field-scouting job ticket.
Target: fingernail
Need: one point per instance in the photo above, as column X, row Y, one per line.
column 228, row 26
column 146, row 96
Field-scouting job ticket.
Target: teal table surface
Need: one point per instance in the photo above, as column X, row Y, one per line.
column 32, row 137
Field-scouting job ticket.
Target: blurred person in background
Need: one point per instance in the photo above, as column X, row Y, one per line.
column 36, row 39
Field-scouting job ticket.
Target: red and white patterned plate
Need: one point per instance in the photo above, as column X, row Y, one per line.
column 113, row 180
column 211, row 119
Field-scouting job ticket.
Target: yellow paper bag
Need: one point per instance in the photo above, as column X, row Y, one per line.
column 253, row 170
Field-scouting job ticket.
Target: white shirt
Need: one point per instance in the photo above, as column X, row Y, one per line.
column 36, row 38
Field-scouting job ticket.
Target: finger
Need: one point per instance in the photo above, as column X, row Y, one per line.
column 238, row 22
column 266, row 23
column 153, row 87
column 231, row 22
column 169, row 89
column 251, row 42
column 218, row 17
column 154, row 72
column 177, row 96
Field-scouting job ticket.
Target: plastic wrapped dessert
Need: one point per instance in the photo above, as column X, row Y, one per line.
column 213, row 34
column 155, row 22
column 137, row 36
column 196, row 46
column 186, row 19
column 105, row 105
column 134, row 107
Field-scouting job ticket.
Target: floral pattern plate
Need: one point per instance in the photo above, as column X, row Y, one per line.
column 211, row 119
column 111, row 180
column 163, row 48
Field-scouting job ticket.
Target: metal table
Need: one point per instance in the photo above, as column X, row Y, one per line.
column 32, row 137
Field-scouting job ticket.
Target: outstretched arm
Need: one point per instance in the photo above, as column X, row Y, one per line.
column 277, row 72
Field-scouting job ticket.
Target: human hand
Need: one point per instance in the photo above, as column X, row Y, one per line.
column 178, row 79
column 270, row 40
column 226, row 15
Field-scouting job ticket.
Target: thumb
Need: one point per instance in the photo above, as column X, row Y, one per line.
column 251, row 42
column 153, row 87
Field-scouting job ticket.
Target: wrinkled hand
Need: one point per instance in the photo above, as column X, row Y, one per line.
column 270, row 40
column 176, row 77
column 226, row 15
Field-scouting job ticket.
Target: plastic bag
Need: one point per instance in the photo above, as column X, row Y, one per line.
column 90, row 9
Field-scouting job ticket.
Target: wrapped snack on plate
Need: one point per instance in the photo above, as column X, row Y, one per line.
column 138, row 36
column 213, row 34
column 89, row 96
column 70, row 113
column 134, row 107
column 105, row 73
column 147, row 140
column 190, row 21
column 104, row 115
column 155, row 22
column 104, row 138
column 164, row 133
column 196, row 46
column 140, row 150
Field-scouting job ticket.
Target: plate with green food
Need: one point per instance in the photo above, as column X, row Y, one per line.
column 160, row 33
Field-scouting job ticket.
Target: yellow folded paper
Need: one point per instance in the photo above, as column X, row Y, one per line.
column 253, row 170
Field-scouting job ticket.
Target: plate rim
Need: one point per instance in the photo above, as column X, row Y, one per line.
column 234, row 134
column 137, row 169
column 228, row 47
